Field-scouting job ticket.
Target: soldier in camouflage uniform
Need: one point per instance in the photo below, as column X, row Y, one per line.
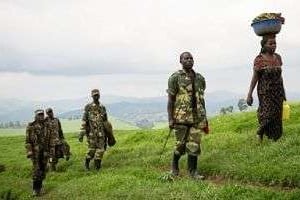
column 187, row 113
column 94, row 125
column 37, row 147
column 58, row 146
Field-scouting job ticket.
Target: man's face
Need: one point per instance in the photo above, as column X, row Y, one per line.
column 50, row 114
column 96, row 97
column 187, row 60
column 40, row 117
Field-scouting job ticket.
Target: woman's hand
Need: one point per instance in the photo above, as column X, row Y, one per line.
column 249, row 100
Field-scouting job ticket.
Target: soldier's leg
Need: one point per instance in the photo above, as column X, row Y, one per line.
column 100, row 152
column 89, row 156
column 52, row 158
column 35, row 177
column 180, row 132
column 39, row 173
column 194, row 150
column 66, row 150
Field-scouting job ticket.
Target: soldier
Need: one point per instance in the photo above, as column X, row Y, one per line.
column 187, row 113
column 37, row 147
column 97, row 129
column 58, row 146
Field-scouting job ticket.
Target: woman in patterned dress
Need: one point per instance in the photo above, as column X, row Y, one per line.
column 270, row 89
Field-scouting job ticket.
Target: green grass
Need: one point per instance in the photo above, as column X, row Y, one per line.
column 12, row 131
column 160, row 125
column 237, row 166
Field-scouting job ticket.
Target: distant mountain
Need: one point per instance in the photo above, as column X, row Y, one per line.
column 129, row 109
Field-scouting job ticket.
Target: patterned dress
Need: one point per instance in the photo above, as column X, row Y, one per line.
column 271, row 95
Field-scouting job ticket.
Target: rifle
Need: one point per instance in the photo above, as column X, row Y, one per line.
column 168, row 136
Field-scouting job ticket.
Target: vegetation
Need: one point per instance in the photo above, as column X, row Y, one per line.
column 236, row 166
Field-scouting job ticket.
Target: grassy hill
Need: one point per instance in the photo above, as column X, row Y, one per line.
column 236, row 166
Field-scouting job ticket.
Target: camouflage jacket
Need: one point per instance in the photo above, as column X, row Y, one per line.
column 54, row 130
column 180, row 85
column 37, row 139
column 93, row 120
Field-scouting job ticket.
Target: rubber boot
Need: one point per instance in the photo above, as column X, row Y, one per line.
column 39, row 186
column 35, row 188
column 98, row 164
column 192, row 168
column 87, row 164
column 175, row 165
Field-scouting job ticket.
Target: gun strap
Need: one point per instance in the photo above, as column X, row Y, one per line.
column 193, row 100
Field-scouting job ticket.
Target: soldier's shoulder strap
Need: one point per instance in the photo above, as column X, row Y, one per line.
column 30, row 125
column 56, row 119
column 200, row 76
column 101, row 106
column 179, row 72
column 88, row 106
column 176, row 73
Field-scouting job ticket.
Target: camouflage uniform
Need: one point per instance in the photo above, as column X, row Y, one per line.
column 37, row 147
column 58, row 146
column 189, row 120
column 93, row 122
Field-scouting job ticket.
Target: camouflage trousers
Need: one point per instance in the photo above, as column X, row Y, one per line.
column 39, row 166
column 96, row 147
column 188, row 138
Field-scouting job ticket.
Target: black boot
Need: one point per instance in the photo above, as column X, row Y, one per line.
column 36, row 186
column 87, row 164
column 192, row 167
column 175, row 165
column 40, row 185
column 97, row 164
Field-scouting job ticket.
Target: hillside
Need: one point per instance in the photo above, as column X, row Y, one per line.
column 236, row 166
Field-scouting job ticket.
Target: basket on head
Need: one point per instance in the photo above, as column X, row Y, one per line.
column 267, row 24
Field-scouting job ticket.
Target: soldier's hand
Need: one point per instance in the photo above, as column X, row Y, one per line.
column 29, row 155
column 171, row 124
column 206, row 128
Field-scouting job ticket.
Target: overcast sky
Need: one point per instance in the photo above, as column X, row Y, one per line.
column 61, row 49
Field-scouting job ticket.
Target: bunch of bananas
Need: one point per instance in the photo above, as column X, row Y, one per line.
column 266, row 16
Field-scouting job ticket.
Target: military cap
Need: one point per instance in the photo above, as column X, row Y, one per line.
column 95, row 92
column 49, row 110
column 39, row 111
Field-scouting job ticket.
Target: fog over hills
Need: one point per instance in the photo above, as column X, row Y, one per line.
column 126, row 108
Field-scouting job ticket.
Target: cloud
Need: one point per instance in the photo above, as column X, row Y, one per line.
column 133, row 36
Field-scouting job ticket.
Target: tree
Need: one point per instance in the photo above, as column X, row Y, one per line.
column 229, row 109
column 145, row 123
column 242, row 105
column 223, row 111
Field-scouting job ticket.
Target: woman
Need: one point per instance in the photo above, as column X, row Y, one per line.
column 270, row 90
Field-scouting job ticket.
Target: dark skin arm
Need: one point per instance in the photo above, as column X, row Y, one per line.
column 171, row 103
column 252, row 86
column 284, row 97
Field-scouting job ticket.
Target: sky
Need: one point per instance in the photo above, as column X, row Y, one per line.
column 55, row 49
